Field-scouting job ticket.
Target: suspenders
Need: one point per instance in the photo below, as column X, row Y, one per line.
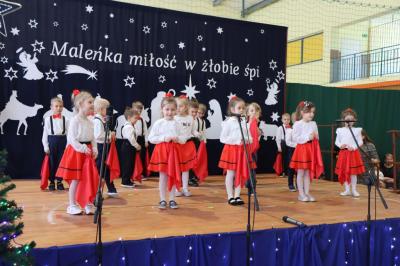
column 52, row 126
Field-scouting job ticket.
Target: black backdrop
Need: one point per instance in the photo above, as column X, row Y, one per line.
column 129, row 52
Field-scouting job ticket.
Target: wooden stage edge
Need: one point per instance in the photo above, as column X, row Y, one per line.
column 135, row 214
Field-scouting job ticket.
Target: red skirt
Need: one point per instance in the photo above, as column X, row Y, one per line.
column 201, row 168
column 187, row 155
column 233, row 157
column 113, row 161
column 308, row 157
column 165, row 158
column 79, row 166
column 349, row 163
column 278, row 165
column 45, row 173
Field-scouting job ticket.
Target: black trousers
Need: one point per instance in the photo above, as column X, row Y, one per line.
column 127, row 159
column 57, row 146
column 142, row 142
column 110, row 185
column 287, row 154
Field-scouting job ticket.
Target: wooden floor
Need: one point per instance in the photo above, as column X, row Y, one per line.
column 135, row 214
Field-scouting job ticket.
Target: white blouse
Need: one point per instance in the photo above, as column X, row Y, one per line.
column 81, row 129
column 302, row 131
column 344, row 137
column 287, row 137
column 231, row 134
column 58, row 128
column 186, row 127
column 163, row 129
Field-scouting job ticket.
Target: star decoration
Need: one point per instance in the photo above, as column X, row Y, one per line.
column 162, row 46
column 262, row 31
column 2, row 46
column 146, row 29
column 200, row 38
column 8, row 71
column 181, row 45
column 275, row 116
column 131, row 20
column 164, row 24
column 89, row 9
column 106, row 36
column 203, row 49
column 51, row 75
column 205, row 22
column 161, row 79
column 231, row 95
column 280, row 75
column 272, row 64
column 268, row 81
column 250, row 92
column 246, row 40
column 4, row 60
column 14, row 31
column 6, row 8
column 55, row 4
column 211, row 83
column 126, row 39
column 84, row 27
column 32, row 23
column 176, row 22
column 36, row 48
column 129, row 81
column 220, row 30
column 55, row 24
column 190, row 89
column 111, row 15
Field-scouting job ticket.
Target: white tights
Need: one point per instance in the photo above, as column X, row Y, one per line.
column 230, row 177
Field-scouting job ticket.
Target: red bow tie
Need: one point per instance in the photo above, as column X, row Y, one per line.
column 288, row 126
column 57, row 116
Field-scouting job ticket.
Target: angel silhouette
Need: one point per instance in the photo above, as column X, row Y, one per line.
column 272, row 94
column 31, row 72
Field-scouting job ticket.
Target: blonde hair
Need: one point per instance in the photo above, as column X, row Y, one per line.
column 232, row 103
column 130, row 112
column 56, row 100
column 184, row 101
column 168, row 100
column 100, row 103
column 137, row 105
column 202, row 107
column 194, row 104
column 286, row 115
column 256, row 107
column 305, row 107
column 80, row 98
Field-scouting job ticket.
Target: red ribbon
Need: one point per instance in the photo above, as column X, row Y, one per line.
column 76, row 92
column 57, row 116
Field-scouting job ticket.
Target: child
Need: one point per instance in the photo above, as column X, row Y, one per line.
column 253, row 113
column 129, row 147
column 201, row 169
column 100, row 109
column 349, row 163
column 54, row 140
column 306, row 159
column 121, row 120
column 77, row 165
column 186, row 147
column 193, row 109
column 141, row 134
column 165, row 160
column 387, row 171
column 286, row 145
column 232, row 158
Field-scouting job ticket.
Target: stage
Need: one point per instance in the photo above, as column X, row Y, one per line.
column 135, row 214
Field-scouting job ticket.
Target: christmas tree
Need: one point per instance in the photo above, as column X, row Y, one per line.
column 10, row 224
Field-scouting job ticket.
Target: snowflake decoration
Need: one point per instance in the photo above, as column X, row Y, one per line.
column 51, row 75
column 164, row 24
column 129, row 81
column 36, row 48
column 89, row 9
column 211, row 83
column 32, row 23
column 84, row 27
column 275, row 116
column 200, row 38
column 14, row 31
column 161, row 79
column 220, row 30
column 131, row 20
column 146, row 29
column 8, row 71
column 181, row 45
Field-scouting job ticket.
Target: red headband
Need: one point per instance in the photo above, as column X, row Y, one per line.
column 168, row 95
column 76, row 92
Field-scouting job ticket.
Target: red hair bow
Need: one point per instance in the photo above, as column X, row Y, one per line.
column 168, row 94
column 183, row 96
column 301, row 104
column 234, row 97
column 76, row 92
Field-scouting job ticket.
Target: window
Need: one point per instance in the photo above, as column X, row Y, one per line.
column 305, row 50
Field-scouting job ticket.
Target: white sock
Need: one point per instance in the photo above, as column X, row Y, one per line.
column 162, row 185
column 172, row 193
column 185, row 180
column 354, row 182
column 307, row 182
column 72, row 192
column 300, row 182
column 230, row 175
column 237, row 191
column 346, row 186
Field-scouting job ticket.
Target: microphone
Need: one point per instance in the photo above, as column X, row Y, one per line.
column 289, row 220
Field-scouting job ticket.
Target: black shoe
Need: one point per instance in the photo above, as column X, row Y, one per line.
column 239, row 201
column 292, row 189
column 128, row 185
column 52, row 186
column 60, row 186
column 232, row 202
column 193, row 182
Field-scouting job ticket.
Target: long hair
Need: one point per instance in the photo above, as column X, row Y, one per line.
column 232, row 103
column 80, row 98
column 365, row 136
column 305, row 107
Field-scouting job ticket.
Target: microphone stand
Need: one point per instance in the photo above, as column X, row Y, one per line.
column 99, row 195
column 251, row 187
column 373, row 180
